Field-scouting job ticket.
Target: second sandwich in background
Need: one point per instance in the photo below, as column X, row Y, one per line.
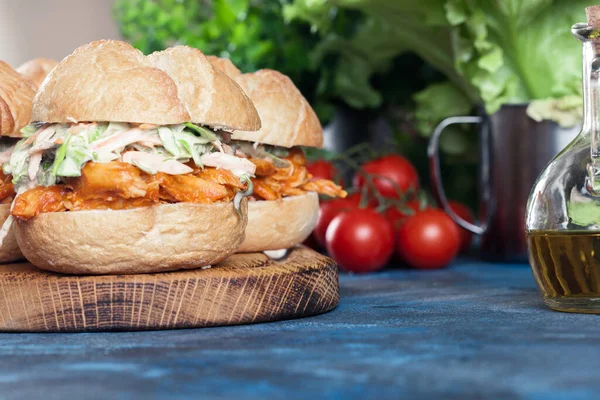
column 17, row 89
column 37, row 69
column 284, row 207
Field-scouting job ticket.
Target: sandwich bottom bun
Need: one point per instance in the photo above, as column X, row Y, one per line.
column 153, row 239
column 9, row 251
column 280, row 224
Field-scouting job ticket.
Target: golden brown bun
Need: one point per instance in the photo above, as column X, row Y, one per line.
column 287, row 118
column 280, row 224
column 9, row 251
column 37, row 69
column 225, row 65
column 109, row 80
column 141, row 240
column 211, row 97
column 16, row 95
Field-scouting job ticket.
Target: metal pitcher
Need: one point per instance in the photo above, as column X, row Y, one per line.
column 514, row 149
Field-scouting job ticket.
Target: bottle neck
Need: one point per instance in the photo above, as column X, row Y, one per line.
column 591, row 88
column 591, row 111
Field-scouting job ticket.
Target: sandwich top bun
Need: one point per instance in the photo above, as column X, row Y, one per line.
column 16, row 95
column 287, row 118
column 225, row 65
column 109, row 80
column 210, row 96
column 37, row 69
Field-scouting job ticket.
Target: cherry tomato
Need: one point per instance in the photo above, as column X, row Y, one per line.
column 328, row 210
column 360, row 240
column 394, row 170
column 322, row 169
column 465, row 213
column 428, row 240
column 331, row 208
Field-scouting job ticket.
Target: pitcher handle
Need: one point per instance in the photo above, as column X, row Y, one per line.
column 436, row 174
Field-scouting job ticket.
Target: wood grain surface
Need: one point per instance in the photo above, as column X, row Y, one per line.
column 244, row 289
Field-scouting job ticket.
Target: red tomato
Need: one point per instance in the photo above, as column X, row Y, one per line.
column 428, row 240
column 465, row 213
column 322, row 169
column 392, row 168
column 360, row 240
column 331, row 208
column 328, row 210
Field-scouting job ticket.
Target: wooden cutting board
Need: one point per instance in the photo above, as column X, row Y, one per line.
column 244, row 289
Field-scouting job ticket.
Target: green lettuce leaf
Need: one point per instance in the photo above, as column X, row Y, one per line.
column 28, row 130
column 494, row 52
column 111, row 129
column 436, row 103
column 61, row 153
column 181, row 143
column 170, row 142
column 94, row 133
column 189, row 144
column 77, row 154
column 389, row 29
column 516, row 51
column 19, row 161
column 566, row 111
column 203, row 132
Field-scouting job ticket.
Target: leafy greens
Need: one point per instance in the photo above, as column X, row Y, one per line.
column 493, row 52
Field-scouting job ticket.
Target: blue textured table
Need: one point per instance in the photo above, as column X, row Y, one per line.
column 472, row 331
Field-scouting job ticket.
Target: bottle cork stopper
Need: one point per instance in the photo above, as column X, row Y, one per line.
column 593, row 19
column 593, row 16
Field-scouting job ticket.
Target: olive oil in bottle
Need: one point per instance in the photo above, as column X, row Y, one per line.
column 563, row 210
column 566, row 266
